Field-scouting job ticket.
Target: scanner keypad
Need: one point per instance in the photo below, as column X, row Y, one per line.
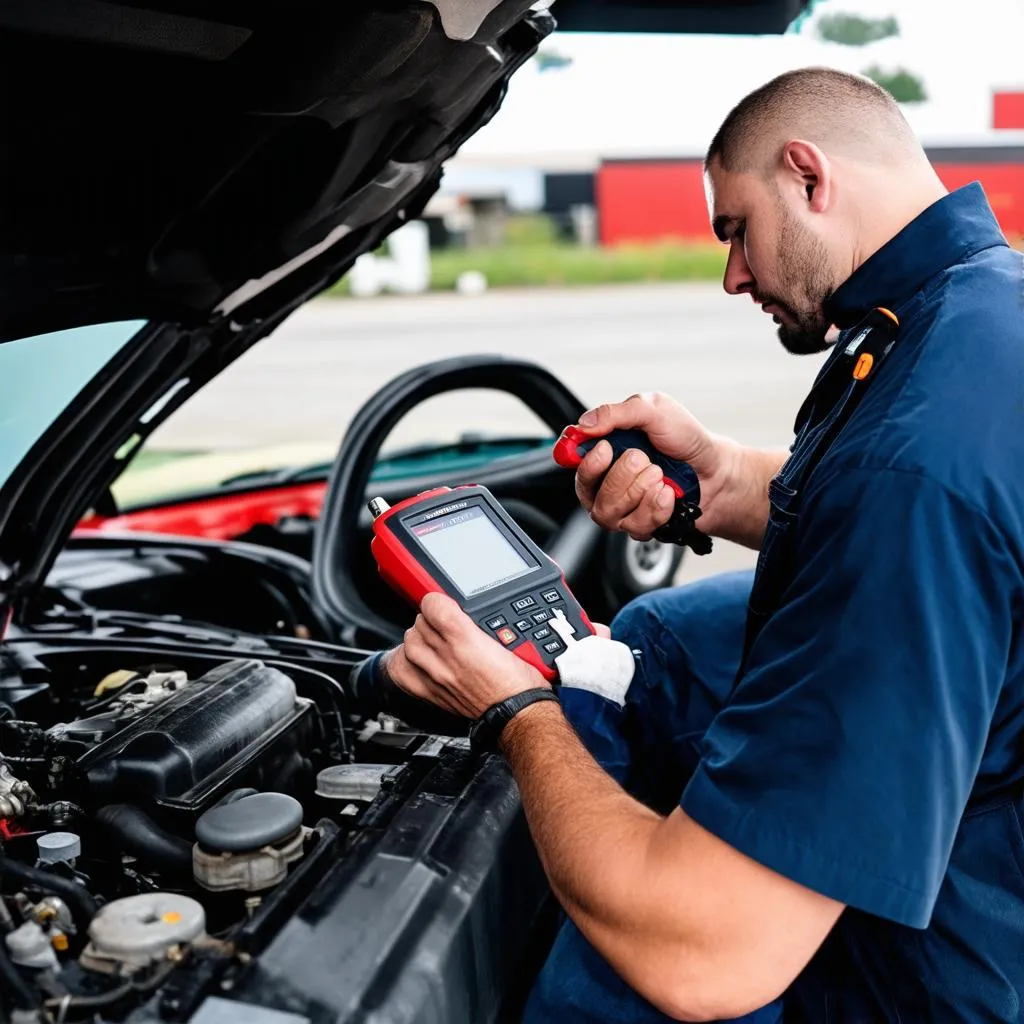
column 528, row 615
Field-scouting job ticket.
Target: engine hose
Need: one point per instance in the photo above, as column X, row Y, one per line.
column 65, row 1004
column 136, row 833
column 21, row 993
column 80, row 902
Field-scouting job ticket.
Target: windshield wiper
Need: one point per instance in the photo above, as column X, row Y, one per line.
column 467, row 444
column 285, row 475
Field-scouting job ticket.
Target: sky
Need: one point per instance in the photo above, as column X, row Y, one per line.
column 646, row 95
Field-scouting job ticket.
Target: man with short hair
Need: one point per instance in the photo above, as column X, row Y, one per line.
column 810, row 801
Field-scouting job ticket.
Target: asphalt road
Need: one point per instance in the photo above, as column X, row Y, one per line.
column 716, row 353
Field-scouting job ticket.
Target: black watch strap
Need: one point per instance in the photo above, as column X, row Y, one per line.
column 487, row 729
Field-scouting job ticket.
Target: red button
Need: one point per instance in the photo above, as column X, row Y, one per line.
column 507, row 636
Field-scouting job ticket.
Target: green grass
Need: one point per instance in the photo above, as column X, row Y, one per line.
column 531, row 229
column 542, row 264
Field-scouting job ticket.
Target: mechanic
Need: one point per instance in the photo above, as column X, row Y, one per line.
column 810, row 805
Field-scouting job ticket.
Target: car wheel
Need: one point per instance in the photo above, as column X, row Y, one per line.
column 636, row 567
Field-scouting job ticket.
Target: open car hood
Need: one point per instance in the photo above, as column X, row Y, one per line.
column 184, row 161
column 208, row 165
column 188, row 159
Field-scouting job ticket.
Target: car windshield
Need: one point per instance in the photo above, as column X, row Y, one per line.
column 158, row 476
column 41, row 375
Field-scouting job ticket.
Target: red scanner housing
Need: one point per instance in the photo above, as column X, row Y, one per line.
column 461, row 542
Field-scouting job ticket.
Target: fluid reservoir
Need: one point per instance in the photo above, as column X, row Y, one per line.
column 248, row 844
column 59, row 847
column 137, row 931
column 29, row 946
column 355, row 781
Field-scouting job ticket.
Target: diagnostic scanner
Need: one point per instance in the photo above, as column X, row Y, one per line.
column 461, row 542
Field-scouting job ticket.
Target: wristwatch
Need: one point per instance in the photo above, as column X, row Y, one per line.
column 487, row 729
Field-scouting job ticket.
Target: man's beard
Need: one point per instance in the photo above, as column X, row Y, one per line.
column 803, row 260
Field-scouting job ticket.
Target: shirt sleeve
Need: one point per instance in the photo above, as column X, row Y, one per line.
column 847, row 753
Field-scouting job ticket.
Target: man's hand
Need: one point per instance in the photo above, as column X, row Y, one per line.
column 633, row 497
column 448, row 660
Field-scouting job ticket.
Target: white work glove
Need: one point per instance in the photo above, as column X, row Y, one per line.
column 595, row 663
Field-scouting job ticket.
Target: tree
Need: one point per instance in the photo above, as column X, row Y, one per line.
column 853, row 30
column 903, row 85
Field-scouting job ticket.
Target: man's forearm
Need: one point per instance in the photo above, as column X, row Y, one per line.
column 595, row 842
column 745, row 515
column 697, row 928
column 576, row 811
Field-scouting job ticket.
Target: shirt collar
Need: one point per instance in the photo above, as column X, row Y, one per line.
column 952, row 229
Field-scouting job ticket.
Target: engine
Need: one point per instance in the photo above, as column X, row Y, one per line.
column 178, row 746
column 168, row 815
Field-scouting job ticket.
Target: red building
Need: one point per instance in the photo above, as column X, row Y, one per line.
column 651, row 200
column 1008, row 111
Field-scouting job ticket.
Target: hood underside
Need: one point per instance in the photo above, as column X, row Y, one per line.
column 207, row 167
column 171, row 160
column 172, row 164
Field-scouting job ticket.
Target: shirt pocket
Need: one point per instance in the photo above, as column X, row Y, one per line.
column 810, row 439
column 781, row 524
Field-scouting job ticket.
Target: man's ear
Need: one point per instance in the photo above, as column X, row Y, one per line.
column 807, row 167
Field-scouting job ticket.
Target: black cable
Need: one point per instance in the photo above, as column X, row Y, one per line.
column 79, row 900
column 65, row 1004
column 95, row 1002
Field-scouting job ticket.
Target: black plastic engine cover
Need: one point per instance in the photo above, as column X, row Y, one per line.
column 189, row 748
column 430, row 920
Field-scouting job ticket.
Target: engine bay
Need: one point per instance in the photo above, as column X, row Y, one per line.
column 167, row 809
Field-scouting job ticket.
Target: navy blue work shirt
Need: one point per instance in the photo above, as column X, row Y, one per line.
column 873, row 749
